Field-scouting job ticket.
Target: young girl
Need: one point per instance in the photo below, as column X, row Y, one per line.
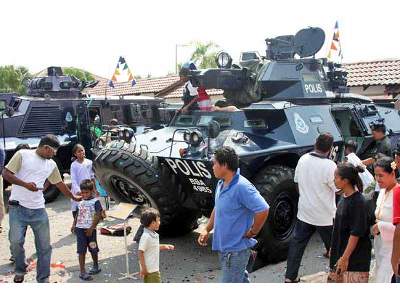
column 350, row 247
column 383, row 229
column 81, row 169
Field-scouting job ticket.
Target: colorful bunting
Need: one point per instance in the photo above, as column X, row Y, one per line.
column 335, row 51
column 122, row 73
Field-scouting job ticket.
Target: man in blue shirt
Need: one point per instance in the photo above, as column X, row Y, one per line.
column 238, row 216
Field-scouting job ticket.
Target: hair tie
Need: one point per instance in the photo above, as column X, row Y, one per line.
column 393, row 165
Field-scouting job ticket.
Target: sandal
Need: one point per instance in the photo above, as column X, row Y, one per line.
column 94, row 271
column 287, row 280
column 19, row 278
column 85, row 277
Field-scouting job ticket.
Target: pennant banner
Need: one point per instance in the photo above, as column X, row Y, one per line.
column 335, row 51
column 122, row 73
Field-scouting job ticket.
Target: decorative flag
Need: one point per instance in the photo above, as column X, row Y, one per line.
column 122, row 73
column 335, row 51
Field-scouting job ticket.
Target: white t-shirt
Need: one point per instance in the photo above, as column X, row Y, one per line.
column 192, row 90
column 366, row 177
column 79, row 172
column 150, row 244
column 28, row 166
column 315, row 177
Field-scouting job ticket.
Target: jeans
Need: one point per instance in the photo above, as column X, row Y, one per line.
column 233, row 266
column 302, row 234
column 20, row 218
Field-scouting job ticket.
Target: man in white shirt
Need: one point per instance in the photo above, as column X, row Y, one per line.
column 314, row 174
column 27, row 171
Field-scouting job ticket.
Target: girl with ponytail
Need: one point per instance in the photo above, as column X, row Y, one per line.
column 350, row 254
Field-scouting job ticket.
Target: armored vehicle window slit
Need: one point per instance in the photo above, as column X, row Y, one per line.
column 316, row 120
column 185, row 121
column 259, row 123
column 223, row 121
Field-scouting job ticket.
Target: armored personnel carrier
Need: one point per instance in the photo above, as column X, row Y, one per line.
column 55, row 105
column 284, row 99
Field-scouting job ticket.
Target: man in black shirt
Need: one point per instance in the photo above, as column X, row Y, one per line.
column 383, row 145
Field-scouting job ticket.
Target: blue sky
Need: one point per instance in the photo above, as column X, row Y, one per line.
column 93, row 34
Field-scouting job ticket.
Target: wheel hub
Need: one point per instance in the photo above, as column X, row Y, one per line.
column 283, row 217
column 129, row 192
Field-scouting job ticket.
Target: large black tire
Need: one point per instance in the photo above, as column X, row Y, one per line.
column 276, row 185
column 130, row 174
column 51, row 193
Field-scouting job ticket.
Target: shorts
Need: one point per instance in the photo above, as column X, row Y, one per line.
column 154, row 277
column 85, row 243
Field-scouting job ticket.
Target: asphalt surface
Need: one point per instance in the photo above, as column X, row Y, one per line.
column 188, row 263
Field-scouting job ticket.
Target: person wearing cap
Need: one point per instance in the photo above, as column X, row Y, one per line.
column 190, row 93
column 27, row 171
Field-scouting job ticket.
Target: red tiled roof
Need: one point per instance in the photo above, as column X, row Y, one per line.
column 382, row 72
column 142, row 86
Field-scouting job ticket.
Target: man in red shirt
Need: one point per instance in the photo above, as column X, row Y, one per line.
column 396, row 237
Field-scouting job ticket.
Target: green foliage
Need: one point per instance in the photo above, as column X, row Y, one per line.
column 78, row 73
column 13, row 79
column 204, row 55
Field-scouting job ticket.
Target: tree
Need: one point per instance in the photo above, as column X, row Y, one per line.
column 78, row 73
column 204, row 55
column 13, row 79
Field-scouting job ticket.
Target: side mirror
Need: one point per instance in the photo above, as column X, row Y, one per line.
column 213, row 129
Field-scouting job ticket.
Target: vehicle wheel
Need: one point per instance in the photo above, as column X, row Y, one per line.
column 51, row 193
column 130, row 174
column 276, row 185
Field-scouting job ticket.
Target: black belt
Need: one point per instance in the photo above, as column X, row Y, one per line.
column 13, row 202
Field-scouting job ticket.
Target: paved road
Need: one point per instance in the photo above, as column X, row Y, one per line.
column 188, row 263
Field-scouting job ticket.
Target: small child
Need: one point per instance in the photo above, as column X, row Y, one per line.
column 81, row 169
column 89, row 213
column 149, row 246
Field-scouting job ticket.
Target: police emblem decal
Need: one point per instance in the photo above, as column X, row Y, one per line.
column 301, row 125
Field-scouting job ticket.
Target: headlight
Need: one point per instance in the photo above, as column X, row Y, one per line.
column 224, row 60
column 196, row 138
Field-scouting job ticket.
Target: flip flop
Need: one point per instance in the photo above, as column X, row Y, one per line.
column 287, row 280
column 19, row 278
column 85, row 277
column 94, row 271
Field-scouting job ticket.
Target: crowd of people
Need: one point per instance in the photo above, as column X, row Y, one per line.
column 333, row 201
